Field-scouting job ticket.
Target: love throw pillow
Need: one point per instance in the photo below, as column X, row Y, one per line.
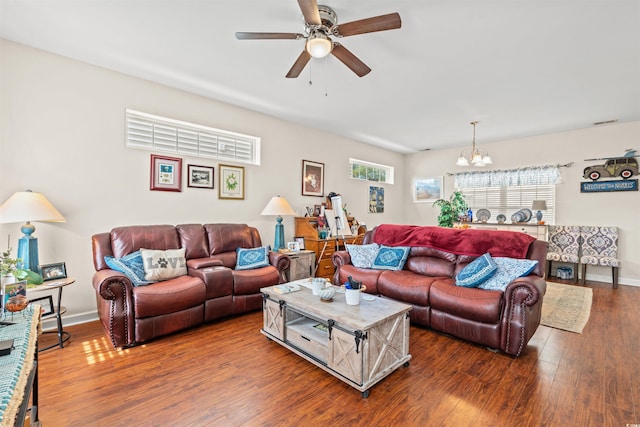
column 163, row 265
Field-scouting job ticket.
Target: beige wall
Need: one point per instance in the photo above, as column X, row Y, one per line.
column 62, row 134
column 573, row 207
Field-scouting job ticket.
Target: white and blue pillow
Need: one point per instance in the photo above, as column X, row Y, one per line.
column 391, row 258
column 508, row 270
column 363, row 256
column 477, row 272
column 163, row 265
column 248, row 259
column 130, row 265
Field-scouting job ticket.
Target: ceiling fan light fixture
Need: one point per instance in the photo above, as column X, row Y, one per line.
column 319, row 45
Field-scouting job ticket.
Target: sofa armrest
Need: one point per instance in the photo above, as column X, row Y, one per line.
column 522, row 312
column 198, row 263
column 115, row 306
column 281, row 262
column 339, row 258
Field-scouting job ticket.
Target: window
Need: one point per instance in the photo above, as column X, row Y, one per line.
column 359, row 169
column 149, row 132
column 506, row 192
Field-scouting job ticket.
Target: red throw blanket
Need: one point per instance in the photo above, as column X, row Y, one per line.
column 461, row 242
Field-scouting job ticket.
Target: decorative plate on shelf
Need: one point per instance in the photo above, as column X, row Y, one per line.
column 517, row 217
column 527, row 214
column 501, row 218
column 483, row 215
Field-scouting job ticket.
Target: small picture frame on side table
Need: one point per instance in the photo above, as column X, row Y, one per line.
column 300, row 241
column 10, row 291
column 293, row 246
column 46, row 303
column 54, row 271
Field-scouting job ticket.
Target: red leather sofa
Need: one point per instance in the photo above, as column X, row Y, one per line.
column 212, row 288
column 504, row 320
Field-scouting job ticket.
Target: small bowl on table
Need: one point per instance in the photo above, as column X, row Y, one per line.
column 327, row 294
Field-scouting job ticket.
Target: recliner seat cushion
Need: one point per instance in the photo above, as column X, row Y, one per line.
column 169, row 296
column 403, row 285
column 469, row 303
column 247, row 282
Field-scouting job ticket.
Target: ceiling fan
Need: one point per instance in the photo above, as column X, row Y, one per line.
column 320, row 23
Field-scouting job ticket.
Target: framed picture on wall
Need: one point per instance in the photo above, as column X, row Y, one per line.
column 166, row 173
column 199, row 176
column 376, row 199
column 427, row 189
column 312, row 178
column 231, row 185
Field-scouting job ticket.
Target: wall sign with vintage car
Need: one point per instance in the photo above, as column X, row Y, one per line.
column 612, row 167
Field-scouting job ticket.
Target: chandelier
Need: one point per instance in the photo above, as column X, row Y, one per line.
column 475, row 157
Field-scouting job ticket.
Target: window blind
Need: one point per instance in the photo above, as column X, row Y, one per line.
column 149, row 132
column 507, row 191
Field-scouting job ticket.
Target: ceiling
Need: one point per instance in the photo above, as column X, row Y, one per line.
column 519, row 67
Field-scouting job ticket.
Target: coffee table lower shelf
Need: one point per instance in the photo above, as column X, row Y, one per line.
column 360, row 353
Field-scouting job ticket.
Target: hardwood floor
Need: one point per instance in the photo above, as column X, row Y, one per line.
column 228, row 374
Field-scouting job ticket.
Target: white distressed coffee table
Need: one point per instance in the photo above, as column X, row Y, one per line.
column 359, row 344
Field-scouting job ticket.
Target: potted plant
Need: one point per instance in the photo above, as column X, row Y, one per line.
column 9, row 270
column 450, row 210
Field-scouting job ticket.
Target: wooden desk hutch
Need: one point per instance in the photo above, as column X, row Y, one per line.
column 307, row 227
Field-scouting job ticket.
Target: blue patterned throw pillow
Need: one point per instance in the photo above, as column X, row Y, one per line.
column 476, row 272
column 131, row 266
column 508, row 270
column 391, row 258
column 362, row 256
column 252, row 258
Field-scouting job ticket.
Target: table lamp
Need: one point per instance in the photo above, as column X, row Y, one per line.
column 278, row 206
column 28, row 206
column 539, row 205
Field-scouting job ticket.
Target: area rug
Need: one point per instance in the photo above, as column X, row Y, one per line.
column 566, row 307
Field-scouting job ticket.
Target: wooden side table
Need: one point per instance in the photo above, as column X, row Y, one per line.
column 301, row 264
column 58, row 310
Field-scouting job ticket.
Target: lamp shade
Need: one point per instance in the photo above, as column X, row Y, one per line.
column 539, row 205
column 29, row 206
column 278, row 206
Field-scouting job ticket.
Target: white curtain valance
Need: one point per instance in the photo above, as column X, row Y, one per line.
column 534, row 175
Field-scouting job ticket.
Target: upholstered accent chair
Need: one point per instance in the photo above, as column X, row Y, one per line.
column 564, row 246
column 599, row 246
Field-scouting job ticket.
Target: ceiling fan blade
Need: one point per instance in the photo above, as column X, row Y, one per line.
column 299, row 65
column 266, row 36
column 369, row 25
column 310, row 11
column 350, row 60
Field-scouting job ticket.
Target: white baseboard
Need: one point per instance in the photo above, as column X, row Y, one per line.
column 68, row 320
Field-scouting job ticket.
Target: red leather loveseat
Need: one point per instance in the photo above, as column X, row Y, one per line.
column 211, row 288
column 500, row 319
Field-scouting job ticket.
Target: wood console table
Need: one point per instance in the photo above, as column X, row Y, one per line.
column 19, row 370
